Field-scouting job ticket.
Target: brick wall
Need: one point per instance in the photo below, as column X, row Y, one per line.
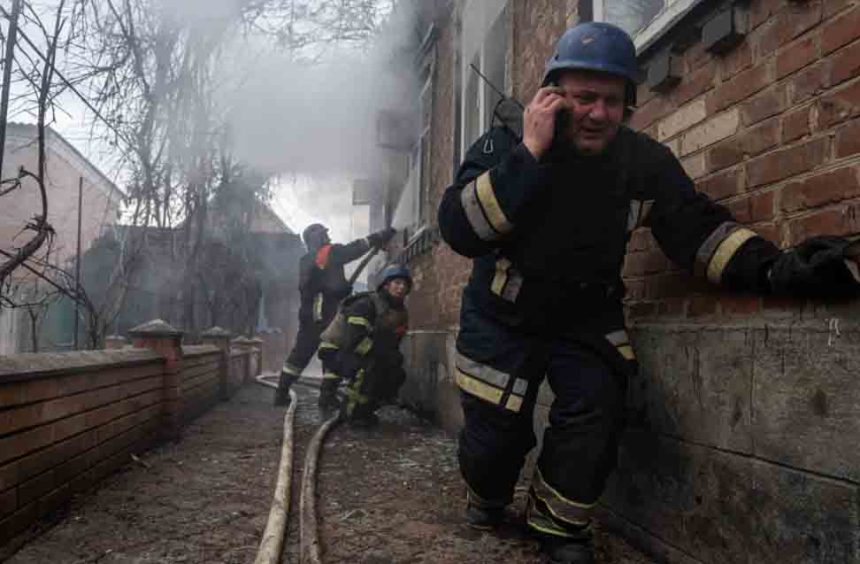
column 770, row 130
column 67, row 420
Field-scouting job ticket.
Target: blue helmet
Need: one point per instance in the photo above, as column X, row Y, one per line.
column 596, row 46
column 393, row 271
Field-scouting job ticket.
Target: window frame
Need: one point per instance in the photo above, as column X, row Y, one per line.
column 656, row 28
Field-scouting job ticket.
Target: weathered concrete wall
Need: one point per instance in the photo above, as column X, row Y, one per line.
column 430, row 387
column 742, row 442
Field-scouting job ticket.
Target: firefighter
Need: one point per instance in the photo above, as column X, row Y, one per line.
column 546, row 219
column 362, row 345
column 322, row 285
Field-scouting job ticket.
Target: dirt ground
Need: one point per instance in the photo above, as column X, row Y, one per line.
column 389, row 495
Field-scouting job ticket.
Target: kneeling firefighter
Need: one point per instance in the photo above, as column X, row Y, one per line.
column 362, row 345
column 322, row 285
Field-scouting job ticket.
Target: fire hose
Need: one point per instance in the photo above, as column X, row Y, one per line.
column 273, row 539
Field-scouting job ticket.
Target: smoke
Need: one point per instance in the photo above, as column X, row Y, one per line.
column 291, row 117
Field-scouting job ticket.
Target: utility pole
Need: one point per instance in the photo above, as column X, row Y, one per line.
column 78, row 261
column 11, row 38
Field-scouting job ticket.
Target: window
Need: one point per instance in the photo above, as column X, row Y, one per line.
column 644, row 20
column 412, row 210
column 483, row 45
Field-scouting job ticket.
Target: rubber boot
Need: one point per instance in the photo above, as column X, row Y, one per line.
column 282, row 394
column 559, row 550
column 484, row 518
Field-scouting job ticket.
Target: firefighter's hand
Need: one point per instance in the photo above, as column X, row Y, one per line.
column 381, row 238
column 539, row 119
column 824, row 266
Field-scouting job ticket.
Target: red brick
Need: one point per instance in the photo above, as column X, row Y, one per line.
column 841, row 31
column 796, row 56
column 795, row 124
column 845, row 64
column 650, row 112
column 741, row 86
column 761, row 138
column 740, row 209
column 770, row 231
column 724, row 154
column 765, row 104
column 808, row 82
column 671, row 307
column 848, row 140
column 753, row 208
column 831, row 221
column 761, row 206
column 739, row 305
column 18, row 521
column 667, row 285
column 722, row 185
column 696, row 83
column 635, row 289
column 786, row 162
column 701, row 305
column 824, row 188
column 840, row 105
column 738, row 59
column 638, row 310
column 792, row 22
column 8, row 501
column 832, row 7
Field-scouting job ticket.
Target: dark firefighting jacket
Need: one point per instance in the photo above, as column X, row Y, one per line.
column 322, row 282
column 548, row 240
column 367, row 329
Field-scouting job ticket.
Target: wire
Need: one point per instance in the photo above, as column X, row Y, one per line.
column 71, row 87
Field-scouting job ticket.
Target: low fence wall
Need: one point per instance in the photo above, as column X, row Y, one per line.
column 69, row 419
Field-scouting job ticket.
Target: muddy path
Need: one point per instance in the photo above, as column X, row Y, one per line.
column 387, row 495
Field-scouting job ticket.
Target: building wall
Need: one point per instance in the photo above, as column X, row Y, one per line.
column 745, row 416
column 64, row 168
column 100, row 207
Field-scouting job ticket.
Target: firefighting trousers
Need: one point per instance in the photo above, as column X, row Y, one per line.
column 307, row 341
column 579, row 447
column 372, row 387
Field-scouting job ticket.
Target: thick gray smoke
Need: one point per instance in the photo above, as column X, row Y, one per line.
column 291, row 117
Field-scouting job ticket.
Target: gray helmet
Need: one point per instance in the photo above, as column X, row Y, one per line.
column 315, row 236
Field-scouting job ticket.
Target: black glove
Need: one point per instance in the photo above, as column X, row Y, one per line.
column 380, row 238
column 815, row 268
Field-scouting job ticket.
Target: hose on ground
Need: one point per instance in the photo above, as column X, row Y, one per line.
column 272, row 542
column 309, row 541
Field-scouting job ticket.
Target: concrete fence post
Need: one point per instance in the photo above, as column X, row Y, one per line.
column 246, row 346
column 257, row 346
column 160, row 337
column 221, row 339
